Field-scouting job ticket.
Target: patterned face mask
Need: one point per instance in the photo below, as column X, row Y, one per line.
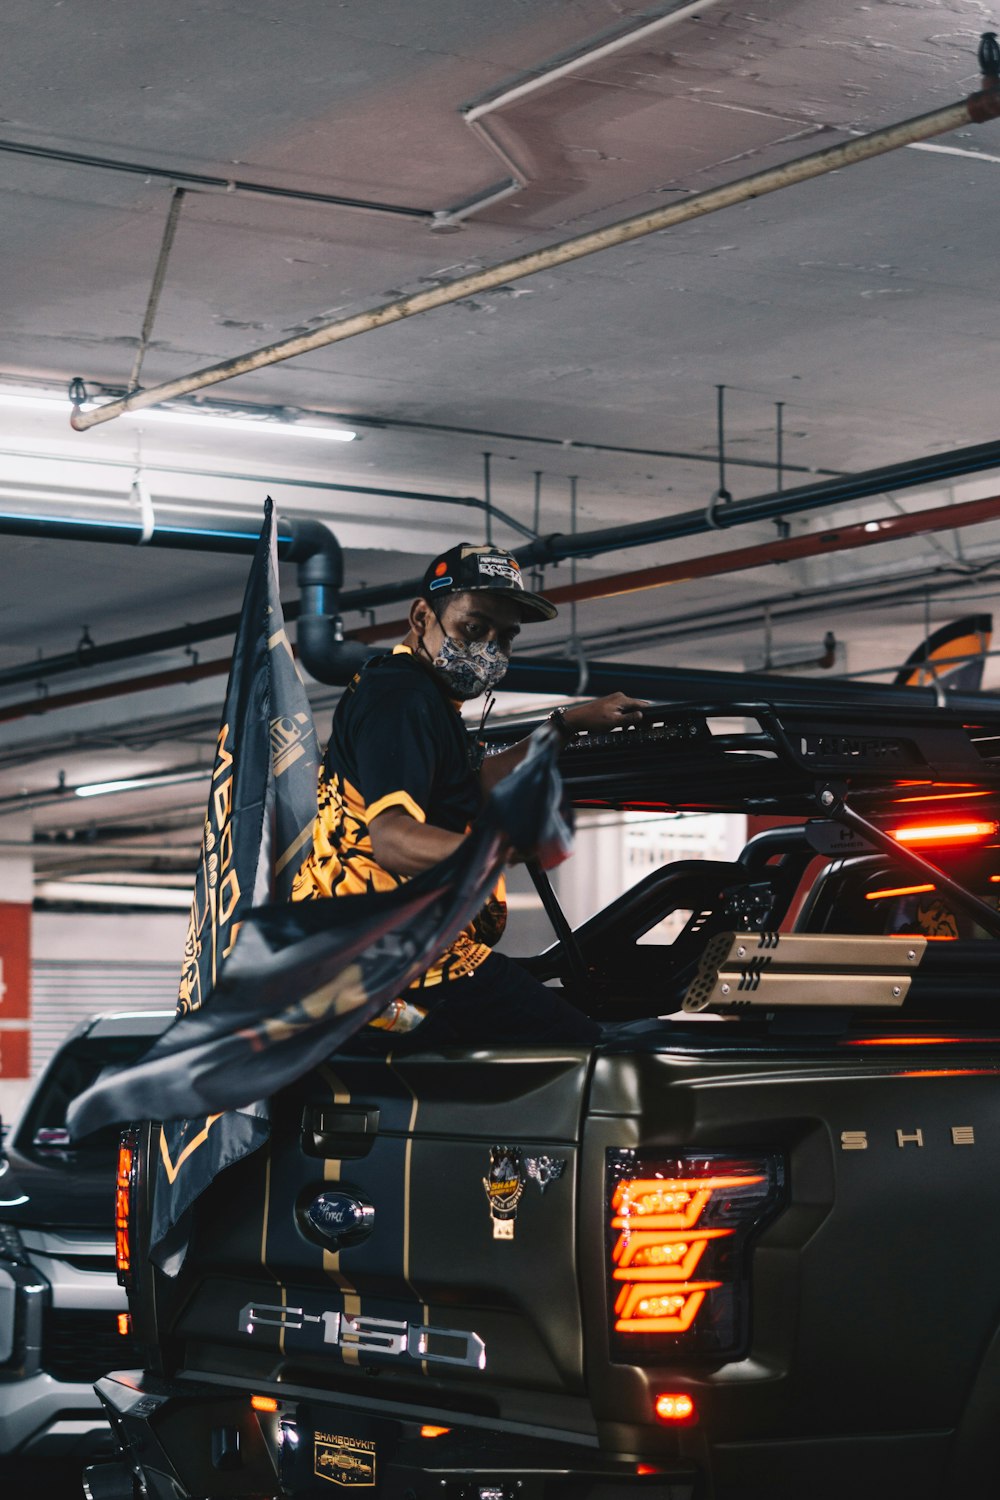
column 470, row 668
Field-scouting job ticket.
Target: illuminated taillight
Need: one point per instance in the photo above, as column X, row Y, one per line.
column 678, row 1235
column 124, row 1184
column 674, row 1407
column 933, row 835
column 124, row 1325
column 264, row 1403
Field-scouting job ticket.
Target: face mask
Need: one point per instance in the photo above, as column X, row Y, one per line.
column 470, row 668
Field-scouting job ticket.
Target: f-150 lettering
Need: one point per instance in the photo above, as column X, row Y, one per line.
column 369, row 1335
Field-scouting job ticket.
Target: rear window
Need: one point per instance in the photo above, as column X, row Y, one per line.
column 871, row 896
column 74, row 1068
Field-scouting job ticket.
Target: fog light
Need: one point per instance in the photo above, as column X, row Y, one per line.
column 674, row 1406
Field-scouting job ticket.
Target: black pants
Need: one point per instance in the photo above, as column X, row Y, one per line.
column 499, row 1003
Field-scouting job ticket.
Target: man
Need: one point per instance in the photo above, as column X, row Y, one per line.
column 402, row 782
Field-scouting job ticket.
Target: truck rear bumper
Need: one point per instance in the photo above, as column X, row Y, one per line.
column 183, row 1439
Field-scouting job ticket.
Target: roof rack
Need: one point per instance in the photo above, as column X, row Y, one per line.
column 692, row 757
column 839, row 763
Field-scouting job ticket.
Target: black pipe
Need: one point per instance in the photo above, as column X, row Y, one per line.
column 204, row 180
column 558, row 546
column 558, row 676
column 322, row 649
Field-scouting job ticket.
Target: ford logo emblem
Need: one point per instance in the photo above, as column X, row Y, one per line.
column 341, row 1218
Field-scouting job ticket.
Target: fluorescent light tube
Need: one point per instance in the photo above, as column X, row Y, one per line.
column 26, row 401
column 138, row 783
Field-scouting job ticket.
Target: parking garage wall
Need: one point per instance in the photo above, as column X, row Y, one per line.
column 84, row 965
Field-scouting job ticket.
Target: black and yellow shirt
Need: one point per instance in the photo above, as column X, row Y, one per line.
column 397, row 741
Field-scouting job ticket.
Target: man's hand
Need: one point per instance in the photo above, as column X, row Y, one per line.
column 604, row 713
column 600, row 714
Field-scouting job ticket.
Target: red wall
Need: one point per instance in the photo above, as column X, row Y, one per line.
column 15, row 988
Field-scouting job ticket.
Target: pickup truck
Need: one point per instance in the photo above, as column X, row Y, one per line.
column 742, row 1247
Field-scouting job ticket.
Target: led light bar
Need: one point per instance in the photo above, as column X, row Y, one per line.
column 934, row 835
column 899, row 890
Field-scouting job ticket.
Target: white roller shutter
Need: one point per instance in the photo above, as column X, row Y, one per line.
column 66, row 991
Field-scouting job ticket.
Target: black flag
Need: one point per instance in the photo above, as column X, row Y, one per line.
column 263, row 794
column 261, row 808
column 306, row 975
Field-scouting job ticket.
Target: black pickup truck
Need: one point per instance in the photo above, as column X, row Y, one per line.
column 744, row 1247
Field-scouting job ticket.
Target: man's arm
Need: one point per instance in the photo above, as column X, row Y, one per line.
column 404, row 846
column 598, row 716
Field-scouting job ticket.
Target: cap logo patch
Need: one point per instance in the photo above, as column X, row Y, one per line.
column 440, row 570
column 500, row 567
column 442, row 583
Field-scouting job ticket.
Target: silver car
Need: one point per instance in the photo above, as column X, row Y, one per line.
column 63, row 1316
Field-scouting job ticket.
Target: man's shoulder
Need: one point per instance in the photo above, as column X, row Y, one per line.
column 397, row 681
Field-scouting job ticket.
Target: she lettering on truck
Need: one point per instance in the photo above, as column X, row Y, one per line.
column 400, row 787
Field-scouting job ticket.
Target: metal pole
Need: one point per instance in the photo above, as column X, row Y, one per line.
column 487, row 499
column 169, row 230
column 979, row 107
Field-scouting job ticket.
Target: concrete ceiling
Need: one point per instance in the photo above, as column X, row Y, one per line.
column 863, row 302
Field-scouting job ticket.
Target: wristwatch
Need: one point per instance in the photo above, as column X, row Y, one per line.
column 558, row 718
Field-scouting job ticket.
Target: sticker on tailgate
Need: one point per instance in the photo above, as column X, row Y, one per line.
column 347, row 1461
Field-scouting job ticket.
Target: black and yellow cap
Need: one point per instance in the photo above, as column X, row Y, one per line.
column 470, row 569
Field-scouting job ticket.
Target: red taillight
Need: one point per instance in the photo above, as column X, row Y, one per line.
column 674, row 1406
column 123, row 1208
column 124, row 1325
column 677, row 1237
column 936, row 835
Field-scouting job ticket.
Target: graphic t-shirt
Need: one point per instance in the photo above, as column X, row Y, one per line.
column 397, row 741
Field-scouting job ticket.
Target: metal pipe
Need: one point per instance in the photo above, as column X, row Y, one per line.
column 243, row 527
column 581, row 445
column 934, row 468
column 790, row 549
column 584, row 59
column 740, row 559
column 205, row 182
column 982, row 106
column 559, row 677
column 159, row 276
column 930, row 470
column 794, row 605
